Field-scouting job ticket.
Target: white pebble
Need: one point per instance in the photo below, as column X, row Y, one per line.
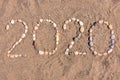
column 76, row 52
column 81, row 23
column 41, row 52
column 110, row 50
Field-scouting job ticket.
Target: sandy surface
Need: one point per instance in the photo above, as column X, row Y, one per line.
column 59, row 66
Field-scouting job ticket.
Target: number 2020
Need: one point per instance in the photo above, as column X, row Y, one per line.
column 74, row 39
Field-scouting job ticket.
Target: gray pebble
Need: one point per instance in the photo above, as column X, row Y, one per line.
column 112, row 41
column 90, row 38
column 112, row 36
column 111, row 46
column 90, row 43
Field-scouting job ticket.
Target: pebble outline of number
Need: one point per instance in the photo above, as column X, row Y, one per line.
column 20, row 39
column 81, row 30
column 34, row 37
column 112, row 38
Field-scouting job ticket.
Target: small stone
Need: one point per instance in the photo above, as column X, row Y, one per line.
column 46, row 52
column 82, row 29
column 110, row 50
column 73, row 19
column 69, row 20
column 100, row 21
column 12, row 56
column 111, row 46
column 91, row 44
column 105, row 54
column 111, row 32
column 90, row 39
column 12, row 21
column 66, row 22
column 95, row 53
column 110, row 27
column 112, row 41
column 91, row 30
column 16, row 56
column 66, row 53
column 112, row 36
column 99, row 54
column 50, row 53
column 72, row 42
column 55, row 25
column 64, row 27
column 41, row 52
column 41, row 20
column 19, row 20
column 80, row 53
column 23, row 35
column 77, row 20
column 81, row 23
column 106, row 22
column 76, row 52
column 79, row 35
column 7, row 27
column 67, row 50
column 84, row 53
column 90, row 34
column 70, row 46
column 91, row 48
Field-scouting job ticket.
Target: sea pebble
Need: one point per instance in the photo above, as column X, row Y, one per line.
column 112, row 36
column 110, row 27
column 90, row 43
column 90, row 38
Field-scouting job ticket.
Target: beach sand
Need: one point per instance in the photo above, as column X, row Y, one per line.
column 59, row 66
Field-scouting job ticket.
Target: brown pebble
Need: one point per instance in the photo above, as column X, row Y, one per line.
column 110, row 27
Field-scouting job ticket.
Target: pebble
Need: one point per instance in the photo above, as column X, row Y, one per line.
column 101, row 21
column 81, row 23
column 76, row 53
column 110, row 50
column 82, row 29
column 111, row 32
column 41, row 52
column 12, row 21
column 112, row 36
column 91, row 30
column 112, row 41
column 95, row 53
column 91, row 44
column 110, row 27
column 106, row 22
column 111, row 46
column 105, row 54
column 90, row 38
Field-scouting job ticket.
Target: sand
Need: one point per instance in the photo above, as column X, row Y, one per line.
column 59, row 66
